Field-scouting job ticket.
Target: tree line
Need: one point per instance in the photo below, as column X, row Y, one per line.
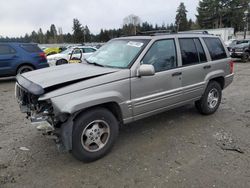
column 210, row 14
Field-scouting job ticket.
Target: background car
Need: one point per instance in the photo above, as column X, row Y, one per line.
column 63, row 57
column 54, row 50
column 231, row 43
column 17, row 58
column 241, row 50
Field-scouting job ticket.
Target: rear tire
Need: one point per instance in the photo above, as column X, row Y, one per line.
column 61, row 62
column 210, row 101
column 24, row 68
column 94, row 134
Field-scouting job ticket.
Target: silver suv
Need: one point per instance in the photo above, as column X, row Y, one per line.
column 82, row 105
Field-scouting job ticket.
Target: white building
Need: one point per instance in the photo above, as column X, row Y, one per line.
column 225, row 33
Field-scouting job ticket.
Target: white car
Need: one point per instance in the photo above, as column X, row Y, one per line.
column 64, row 57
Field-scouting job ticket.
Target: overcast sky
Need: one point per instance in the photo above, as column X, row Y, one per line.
column 18, row 17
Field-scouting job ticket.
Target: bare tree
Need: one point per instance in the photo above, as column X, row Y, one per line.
column 131, row 22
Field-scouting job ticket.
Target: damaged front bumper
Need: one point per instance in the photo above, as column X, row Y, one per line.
column 41, row 114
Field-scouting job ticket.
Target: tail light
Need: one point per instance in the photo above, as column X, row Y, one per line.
column 231, row 64
column 42, row 55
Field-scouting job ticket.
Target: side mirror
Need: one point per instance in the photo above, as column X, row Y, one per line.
column 146, row 70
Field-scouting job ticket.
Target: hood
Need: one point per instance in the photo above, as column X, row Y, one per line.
column 63, row 75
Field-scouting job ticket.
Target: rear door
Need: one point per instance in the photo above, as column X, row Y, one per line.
column 195, row 67
column 218, row 55
column 8, row 58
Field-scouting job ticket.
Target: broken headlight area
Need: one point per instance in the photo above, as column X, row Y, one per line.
column 37, row 111
column 41, row 114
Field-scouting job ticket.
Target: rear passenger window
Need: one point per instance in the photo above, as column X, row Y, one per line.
column 6, row 49
column 191, row 51
column 162, row 55
column 88, row 50
column 31, row 48
column 215, row 48
column 200, row 50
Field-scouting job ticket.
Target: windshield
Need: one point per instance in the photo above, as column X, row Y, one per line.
column 119, row 53
column 243, row 41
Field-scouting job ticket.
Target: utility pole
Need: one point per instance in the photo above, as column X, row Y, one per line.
column 246, row 13
column 246, row 23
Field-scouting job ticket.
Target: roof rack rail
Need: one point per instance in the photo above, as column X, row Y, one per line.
column 194, row 32
column 154, row 32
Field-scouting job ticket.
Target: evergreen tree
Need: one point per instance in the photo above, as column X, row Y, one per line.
column 87, row 35
column 181, row 18
column 34, row 37
column 47, row 37
column 221, row 13
column 78, row 35
column 40, row 36
column 53, row 34
column 53, row 30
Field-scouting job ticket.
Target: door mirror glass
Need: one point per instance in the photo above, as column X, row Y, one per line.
column 146, row 70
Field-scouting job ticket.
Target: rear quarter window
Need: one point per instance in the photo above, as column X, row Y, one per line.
column 215, row 48
column 6, row 49
column 32, row 48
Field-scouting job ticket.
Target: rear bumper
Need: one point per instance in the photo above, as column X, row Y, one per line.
column 228, row 80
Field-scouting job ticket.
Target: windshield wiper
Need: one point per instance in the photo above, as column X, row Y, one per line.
column 94, row 63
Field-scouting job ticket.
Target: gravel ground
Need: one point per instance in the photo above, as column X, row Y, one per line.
column 178, row 148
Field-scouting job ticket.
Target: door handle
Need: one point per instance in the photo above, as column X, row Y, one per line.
column 177, row 74
column 207, row 67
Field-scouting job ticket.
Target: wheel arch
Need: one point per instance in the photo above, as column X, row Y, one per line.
column 66, row 127
column 61, row 59
column 25, row 64
column 112, row 106
column 217, row 76
column 220, row 80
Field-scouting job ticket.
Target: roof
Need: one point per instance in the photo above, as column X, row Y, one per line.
column 172, row 35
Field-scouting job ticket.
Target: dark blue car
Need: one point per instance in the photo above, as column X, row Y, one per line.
column 17, row 58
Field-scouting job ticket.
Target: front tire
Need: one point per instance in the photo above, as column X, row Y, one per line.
column 245, row 57
column 210, row 101
column 94, row 134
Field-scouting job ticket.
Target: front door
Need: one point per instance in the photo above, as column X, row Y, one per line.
column 154, row 93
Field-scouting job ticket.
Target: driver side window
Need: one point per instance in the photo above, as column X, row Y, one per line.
column 162, row 55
